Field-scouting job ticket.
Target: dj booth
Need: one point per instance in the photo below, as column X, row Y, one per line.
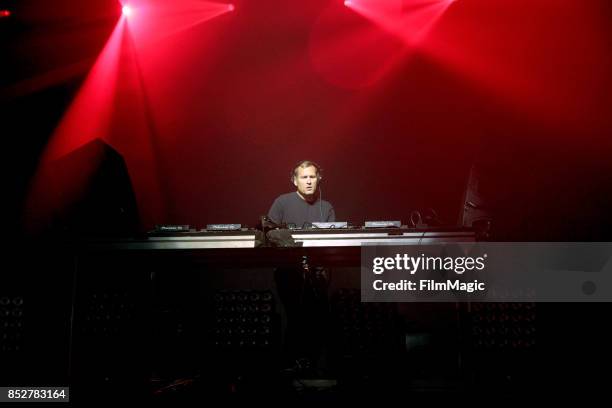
column 305, row 238
column 248, row 247
column 135, row 314
column 211, row 299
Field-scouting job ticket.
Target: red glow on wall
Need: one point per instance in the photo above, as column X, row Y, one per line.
column 156, row 20
column 544, row 58
column 357, row 48
column 88, row 118
column 5, row 13
column 114, row 102
column 410, row 20
column 349, row 51
column 89, row 115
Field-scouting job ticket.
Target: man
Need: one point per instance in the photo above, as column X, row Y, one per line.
column 304, row 206
column 303, row 289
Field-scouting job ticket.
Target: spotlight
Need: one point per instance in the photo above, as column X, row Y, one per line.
column 127, row 11
column 5, row 13
column 347, row 3
column 230, row 7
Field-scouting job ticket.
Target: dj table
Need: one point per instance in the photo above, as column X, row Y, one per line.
column 304, row 238
column 247, row 248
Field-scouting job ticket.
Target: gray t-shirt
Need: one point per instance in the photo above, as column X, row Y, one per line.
column 290, row 208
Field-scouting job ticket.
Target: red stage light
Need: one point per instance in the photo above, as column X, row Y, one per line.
column 230, row 7
column 127, row 11
column 347, row 3
column 5, row 13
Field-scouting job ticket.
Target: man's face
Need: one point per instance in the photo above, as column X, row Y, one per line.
column 306, row 181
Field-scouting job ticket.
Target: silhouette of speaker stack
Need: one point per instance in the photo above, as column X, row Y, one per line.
column 244, row 324
column 11, row 322
column 12, row 330
column 240, row 331
column 112, row 331
column 93, row 194
column 366, row 337
column 501, row 343
column 35, row 306
column 93, row 198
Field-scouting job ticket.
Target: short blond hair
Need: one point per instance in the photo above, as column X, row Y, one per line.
column 305, row 164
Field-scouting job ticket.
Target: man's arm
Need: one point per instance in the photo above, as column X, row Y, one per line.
column 331, row 214
column 276, row 211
